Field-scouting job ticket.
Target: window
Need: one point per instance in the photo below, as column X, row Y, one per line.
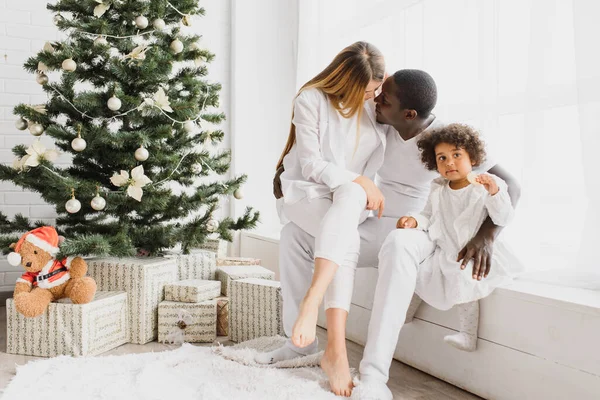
column 525, row 72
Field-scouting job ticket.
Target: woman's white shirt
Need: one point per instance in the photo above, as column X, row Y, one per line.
column 321, row 159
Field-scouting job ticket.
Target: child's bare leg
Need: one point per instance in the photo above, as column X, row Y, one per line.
column 466, row 339
column 304, row 330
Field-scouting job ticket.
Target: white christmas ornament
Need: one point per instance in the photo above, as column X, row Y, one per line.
column 160, row 100
column 138, row 54
column 194, row 46
column 238, row 194
column 19, row 163
column 114, row 103
column 48, row 48
column 38, row 152
column 78, row 144
column 189, row 126
column 212, row 225
column 69, row 65
column 100, row 41
column 73, row 205
column 159, row 24
column 36, row 129
column 58, row 19
column 42, row 67
column 42, row 79
column 197, row 168
column 21, row 124
column 98, row 203
column 176, row 46
column 141, row 22
column 136, row 183
column 141, row 154
column 39, row 108
column 101, row 8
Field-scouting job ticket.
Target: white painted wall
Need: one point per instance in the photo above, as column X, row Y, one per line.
column 264, row 37
column 25, row 25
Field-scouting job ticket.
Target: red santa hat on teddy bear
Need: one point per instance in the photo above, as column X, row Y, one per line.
column 45, row 237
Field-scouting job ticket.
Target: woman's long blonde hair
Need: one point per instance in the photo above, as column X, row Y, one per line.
column 344, row 82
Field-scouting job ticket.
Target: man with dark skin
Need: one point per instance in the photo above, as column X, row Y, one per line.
column 404, row 105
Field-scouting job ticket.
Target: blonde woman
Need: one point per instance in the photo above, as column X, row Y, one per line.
column 332, row 154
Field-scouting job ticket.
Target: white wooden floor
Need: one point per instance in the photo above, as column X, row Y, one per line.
column 405, row 382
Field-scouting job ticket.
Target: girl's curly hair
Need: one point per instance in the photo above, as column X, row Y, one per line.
column 459, row 135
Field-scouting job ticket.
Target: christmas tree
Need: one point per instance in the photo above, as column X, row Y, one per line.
column 133, row 107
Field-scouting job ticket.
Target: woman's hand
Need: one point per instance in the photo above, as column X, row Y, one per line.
column 406, row 223
column 375, row 199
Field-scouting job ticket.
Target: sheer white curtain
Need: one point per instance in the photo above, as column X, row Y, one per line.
column 526, row 72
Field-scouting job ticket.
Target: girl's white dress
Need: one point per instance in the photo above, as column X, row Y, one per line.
column 452, row 218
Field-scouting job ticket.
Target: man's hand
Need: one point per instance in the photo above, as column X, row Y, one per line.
column 406, row 223
column 480, row 249
column 375, row 199
column 277, row 183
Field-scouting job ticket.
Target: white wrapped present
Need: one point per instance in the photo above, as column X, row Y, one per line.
column 70, row 329
column 228, row 273
column 217, row 246
column 192, row 291
column 237, row 261
column 187, row 322
column 199, row 264
column 222, row 316
column 255, row 309
column 144, row 280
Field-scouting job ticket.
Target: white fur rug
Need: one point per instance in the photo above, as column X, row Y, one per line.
column 189, row 372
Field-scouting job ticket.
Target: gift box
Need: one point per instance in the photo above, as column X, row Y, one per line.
column 192, row 291
column 228, row 273
column 70, row 329
column 199, row 264
column 255, row 309
column 237, row 261
column 222, row 316
column 217, row 246
column 187, row 322
column 144, row 280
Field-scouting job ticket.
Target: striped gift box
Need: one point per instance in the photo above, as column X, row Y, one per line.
column 70, row 329
column 199, row 264
column 255, row 309
column 192, row 291
column 217, row 246
column 144, row 280
column 222, row 316
column 228, row 273
column 192, row 322
column 237, row 261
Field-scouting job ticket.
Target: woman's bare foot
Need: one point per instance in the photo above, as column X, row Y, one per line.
column 305, row 327
column 335, row 364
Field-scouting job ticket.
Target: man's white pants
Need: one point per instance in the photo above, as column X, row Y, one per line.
column 399, row 259
column 333, row 222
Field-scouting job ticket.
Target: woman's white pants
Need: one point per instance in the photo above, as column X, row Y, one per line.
column 333, row 222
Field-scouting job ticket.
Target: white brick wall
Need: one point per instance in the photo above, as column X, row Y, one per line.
column 25, row 25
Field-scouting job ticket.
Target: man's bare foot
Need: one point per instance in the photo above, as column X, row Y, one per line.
column 305, row 327
column 335, row 364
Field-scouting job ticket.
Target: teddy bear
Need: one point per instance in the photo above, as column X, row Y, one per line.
column 47, row 279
